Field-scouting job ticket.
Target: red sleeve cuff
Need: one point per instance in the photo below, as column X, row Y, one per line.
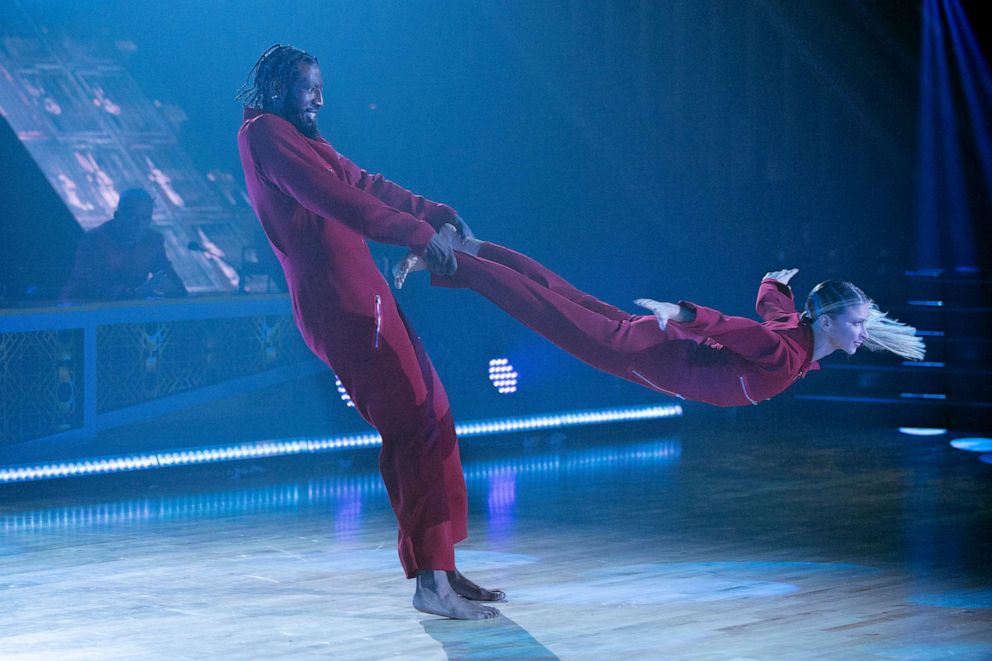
column 423, row 235
column 785, row 289
column 441, row 214
column 705, row 316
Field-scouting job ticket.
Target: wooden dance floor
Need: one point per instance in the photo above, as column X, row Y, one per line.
column 683, row 541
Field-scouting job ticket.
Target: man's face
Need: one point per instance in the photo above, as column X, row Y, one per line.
column 304, row 99
column 847, row 330
column 135, row 219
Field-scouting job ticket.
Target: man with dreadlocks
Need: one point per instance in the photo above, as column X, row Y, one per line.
column 318, row 209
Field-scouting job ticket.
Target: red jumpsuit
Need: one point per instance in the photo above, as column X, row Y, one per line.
column 317, row 209
column 717, row 359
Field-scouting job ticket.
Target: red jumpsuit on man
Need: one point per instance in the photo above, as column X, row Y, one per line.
column 317, row 209
column 716, row 359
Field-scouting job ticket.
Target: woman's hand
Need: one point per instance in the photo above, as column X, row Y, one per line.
column 782, row 276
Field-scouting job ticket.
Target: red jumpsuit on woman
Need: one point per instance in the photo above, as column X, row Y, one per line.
column 717, row 359
column 318, row 209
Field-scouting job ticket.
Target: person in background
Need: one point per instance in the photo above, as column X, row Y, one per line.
column 124, row 258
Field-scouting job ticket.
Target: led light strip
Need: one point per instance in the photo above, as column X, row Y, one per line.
column 665, row 452
column 303, row 445
column 318, row 493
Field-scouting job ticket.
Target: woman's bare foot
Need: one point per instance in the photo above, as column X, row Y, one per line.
column 466, row 244
column 436, row 596
column 471, row 590
column 408, row 265
column 412, row 262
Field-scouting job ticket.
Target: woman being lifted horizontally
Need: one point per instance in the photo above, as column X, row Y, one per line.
column 681, row 349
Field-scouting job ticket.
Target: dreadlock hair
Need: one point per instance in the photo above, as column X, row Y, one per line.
column 832, row 297
column 277, row 64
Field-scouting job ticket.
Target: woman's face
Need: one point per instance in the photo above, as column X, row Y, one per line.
column 846, row 331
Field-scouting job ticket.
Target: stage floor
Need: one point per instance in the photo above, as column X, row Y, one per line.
column 700, row 542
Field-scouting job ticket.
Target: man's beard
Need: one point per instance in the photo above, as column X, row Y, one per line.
column 305, row 125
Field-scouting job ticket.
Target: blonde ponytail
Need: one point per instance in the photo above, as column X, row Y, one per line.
column 885, row 334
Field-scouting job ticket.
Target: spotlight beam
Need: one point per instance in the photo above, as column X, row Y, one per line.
column 972, row 69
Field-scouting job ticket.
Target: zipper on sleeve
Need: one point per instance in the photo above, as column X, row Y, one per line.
column 378, row 320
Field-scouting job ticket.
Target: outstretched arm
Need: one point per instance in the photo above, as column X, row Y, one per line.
column 435, row 213
column 775, row 296
column 774, row 300
column 288, row 163
column 396, row 196
column 741, row 335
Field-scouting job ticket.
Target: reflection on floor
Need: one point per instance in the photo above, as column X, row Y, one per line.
column 711, row 544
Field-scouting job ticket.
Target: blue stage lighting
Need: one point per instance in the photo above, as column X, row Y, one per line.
column 922, row 395
column 296, row 446
column 944, row 212
column 345, row 397
column 567, row 419
column 973, row 444
column 923, row 431
column 656, row 452
column 503, row 376
column 347, row 492
column 976, row 83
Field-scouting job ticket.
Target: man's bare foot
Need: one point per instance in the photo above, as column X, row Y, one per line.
column 412, row 263
column 470, row 590
column 436, row 596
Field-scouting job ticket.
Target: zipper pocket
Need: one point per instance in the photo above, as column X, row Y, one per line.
column 746, row 393
column 378, row 321
column 654, row 385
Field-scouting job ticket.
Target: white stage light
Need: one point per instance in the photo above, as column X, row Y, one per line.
column 503, row 376
column 345, row 397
